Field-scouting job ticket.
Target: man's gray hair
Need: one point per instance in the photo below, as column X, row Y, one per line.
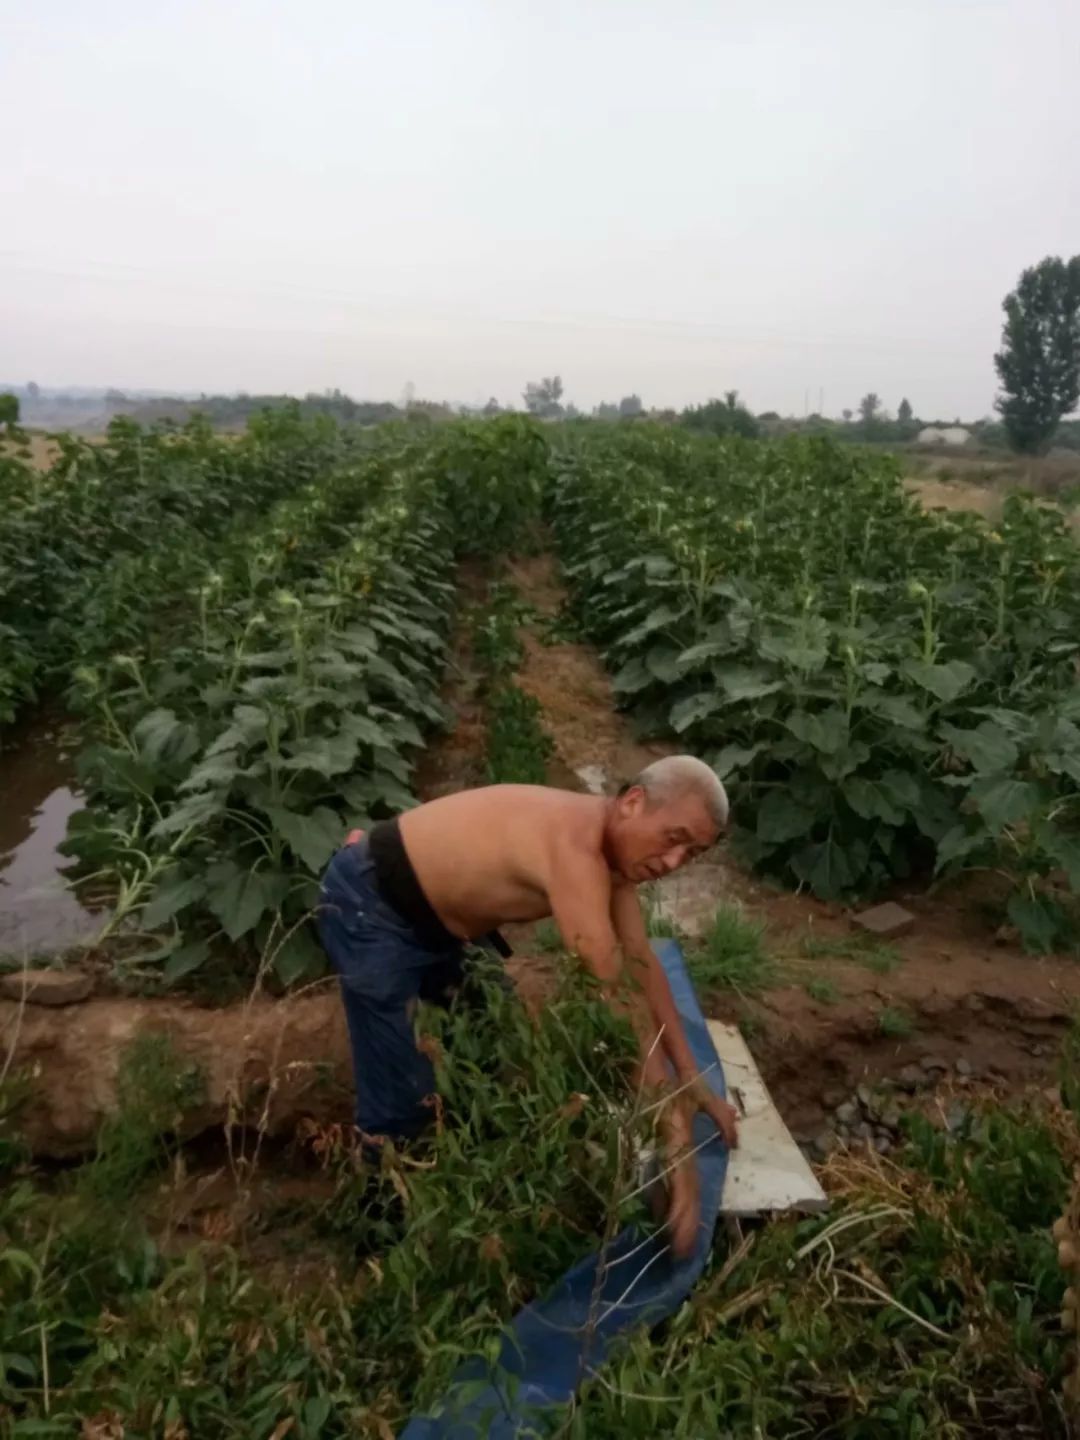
column 678, row 775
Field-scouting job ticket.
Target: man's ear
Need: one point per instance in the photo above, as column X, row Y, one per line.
column 631, row 801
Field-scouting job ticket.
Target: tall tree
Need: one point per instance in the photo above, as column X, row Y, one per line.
column 631, row 405
column 904, row 412
column 1039, row 360
column 543, row 397
column 9, row 410
column 869, row 406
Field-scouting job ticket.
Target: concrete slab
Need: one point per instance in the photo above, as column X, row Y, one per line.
column 888, row 921
column 767, row 1172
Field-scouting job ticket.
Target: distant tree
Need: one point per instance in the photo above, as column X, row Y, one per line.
column 721, row 417
column 847, row 414
column 542, row 398
column 33, row 390
column 492, row 407
column 9, row 410
column 904, row 412
column 1039, row 360
column 869, row 407
column 606, row 411
column 631, row 405
column 571, row 411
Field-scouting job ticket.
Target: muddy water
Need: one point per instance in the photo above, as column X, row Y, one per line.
column 39, row 915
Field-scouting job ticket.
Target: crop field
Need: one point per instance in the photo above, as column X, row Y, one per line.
column 257, row 643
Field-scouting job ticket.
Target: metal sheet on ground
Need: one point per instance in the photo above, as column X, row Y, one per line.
column 767, row 1171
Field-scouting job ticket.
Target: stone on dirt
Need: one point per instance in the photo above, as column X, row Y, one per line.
column 886, row 921
column 910, row 1078
column 963, row 1067
column 847, row 1113
column 933, row 1062
column 47, row 987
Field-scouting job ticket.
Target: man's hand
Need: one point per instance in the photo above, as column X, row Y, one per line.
column 724, row 1116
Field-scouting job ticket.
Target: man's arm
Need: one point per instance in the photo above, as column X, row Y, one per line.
column 580, row 893
column 647, row 972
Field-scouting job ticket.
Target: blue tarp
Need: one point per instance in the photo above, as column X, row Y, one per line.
column 552, row 1344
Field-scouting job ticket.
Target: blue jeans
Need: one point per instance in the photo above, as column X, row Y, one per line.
column 384, row 968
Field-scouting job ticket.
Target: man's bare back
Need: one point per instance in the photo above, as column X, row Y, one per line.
column 486, row 857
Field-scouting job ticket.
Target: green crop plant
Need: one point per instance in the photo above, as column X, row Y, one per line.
column 889, row 691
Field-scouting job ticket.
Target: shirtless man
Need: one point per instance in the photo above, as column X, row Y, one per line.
column 398, row 903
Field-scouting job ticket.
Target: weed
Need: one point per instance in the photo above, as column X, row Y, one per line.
column 518, row 748
column 547, row 939
column 894, row 1023
column 862, row 949
column 825, row 992
column 154, row 1087
column 731, row 954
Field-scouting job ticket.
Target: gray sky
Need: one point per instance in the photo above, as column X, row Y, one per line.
column 674, row 197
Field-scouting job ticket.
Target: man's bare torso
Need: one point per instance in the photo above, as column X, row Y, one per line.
column 484, row 857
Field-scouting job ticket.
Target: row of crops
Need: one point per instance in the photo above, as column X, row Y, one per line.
column 250, row 633
column 892, row 692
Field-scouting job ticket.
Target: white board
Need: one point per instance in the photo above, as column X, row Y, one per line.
column 766, row 1171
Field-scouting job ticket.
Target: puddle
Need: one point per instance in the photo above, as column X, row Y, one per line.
column 38, row 913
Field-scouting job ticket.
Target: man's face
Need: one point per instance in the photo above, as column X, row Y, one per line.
column 648, row 842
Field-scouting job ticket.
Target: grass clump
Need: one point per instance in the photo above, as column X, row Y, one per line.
column 864, row 950
column 518, row 747
column 731, row 954
column 894, row 1023
column 824, row 991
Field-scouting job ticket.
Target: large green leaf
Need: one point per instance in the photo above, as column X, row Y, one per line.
column 803, row 644
column 896, row 708
column 656, row 620
column 780, row 818
column 174, row 892
column 160, row 736
column 692, row 708
column 734, row 757
column 633, row 677
column 196, row 811
column 826, row 868
column 945, row 681
column 215, row 770
column 248, row 722
column 313, row 837
column 185, row 960
column 365, row 730
column 1038, row 919
column 663, row 662
column 298, row 957
column 326, row 754
column 826, row 731
column 987, row 747
column 744, row 682
column 957, row 844
column 239, row 898
column 871, row 800
column 1002, row 801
